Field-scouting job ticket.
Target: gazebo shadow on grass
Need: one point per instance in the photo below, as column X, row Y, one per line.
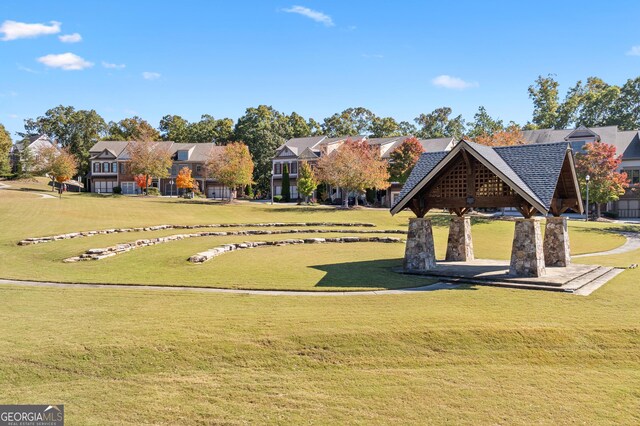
column 373, row 274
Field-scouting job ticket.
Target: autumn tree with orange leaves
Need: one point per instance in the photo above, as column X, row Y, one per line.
column 510, row 136
column 232, row 166
column 600, row 162
column 63, row 167
column 142, row 181
column 354, row 167
column 149, row 159
column 404, row 158
column 184, row 179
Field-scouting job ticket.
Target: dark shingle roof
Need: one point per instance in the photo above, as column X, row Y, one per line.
column 538, row 166
column 533, row 170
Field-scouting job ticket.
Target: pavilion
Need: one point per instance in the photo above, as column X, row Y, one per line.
column 535, row 179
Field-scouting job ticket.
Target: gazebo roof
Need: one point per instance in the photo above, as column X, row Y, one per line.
column 532, row 171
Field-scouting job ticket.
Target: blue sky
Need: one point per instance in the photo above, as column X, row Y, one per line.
column 151, row 58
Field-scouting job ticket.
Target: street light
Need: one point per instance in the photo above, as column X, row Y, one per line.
column 271, row 187
column 587, row 178
column 171, row 182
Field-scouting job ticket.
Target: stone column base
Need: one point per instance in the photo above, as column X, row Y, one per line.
column 527, row 255
column 556, row 242
column 460, row 244
column 420, row 252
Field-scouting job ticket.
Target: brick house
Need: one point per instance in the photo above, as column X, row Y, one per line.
column 110, row 168
column 310, row 149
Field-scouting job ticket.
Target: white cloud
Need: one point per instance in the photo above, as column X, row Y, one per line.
column 66, row 61
column 634, row 51
column 113, row 66
column 311, row 14
column 449, row 82
column 13, row 30
column 70, row 38
column 148, row 75
column 26, row 69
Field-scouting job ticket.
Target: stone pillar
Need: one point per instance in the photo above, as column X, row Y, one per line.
column 556, row 242
column 419, row 254
column 527, row 255
column 459, row 244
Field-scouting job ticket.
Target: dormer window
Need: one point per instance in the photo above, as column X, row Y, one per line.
column 183, row 155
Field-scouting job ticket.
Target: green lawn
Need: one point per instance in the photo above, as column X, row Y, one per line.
column 474, row 355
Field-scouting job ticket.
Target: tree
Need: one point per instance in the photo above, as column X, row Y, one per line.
column 185, row 181
column 232, row 166
column 385, row 127
column 174, row 128
column 299, row 127
column 132, row 129
column 404, row 158
column 64, row 166
column 5, row 148
column 263, row 129
column 307, row 181
column 76, row 130
column 354, row 167
column 350, row 122
column 208, row 129
column 484, row 124
column 286, row 185
column 600, row 162
column 437, row 124
column 628, row 105
column 512, row 135
column 544, row 94
column 597, row 103
column 149, row 159
column 142, row 182
column 45, row 162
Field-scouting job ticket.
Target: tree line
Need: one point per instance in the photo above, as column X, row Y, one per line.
column 263, row 128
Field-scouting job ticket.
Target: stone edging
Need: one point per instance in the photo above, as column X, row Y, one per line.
column 39, row 240
column 102, row 253
column 225, row 248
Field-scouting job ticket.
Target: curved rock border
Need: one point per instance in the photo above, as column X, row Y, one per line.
column 105, row 252
column 226, row 248
column 40, row 240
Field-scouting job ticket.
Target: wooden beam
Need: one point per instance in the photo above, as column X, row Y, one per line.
column 479, row 202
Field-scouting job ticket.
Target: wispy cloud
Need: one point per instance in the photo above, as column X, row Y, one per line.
column 449, row 82
column 66, row 61
column 148, row 75
column 113, row 66
column 317, row 16
column 372, row 56
column 70, row 38
column 26, row 69
column 14, row 30
column 634, row 51
column 13, row 116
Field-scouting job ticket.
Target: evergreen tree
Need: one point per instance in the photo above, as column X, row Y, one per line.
column 286, row 191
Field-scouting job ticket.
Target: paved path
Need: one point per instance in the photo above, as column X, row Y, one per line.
column 633, row 243
column 5, row 186
column 432, row 287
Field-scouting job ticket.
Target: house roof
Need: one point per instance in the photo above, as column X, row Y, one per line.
column 27, row 141
column 512, row 164
column 198, row 152
column 436, row 144
column 300, row 144
column 114, row 147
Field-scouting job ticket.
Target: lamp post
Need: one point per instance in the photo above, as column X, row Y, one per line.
column 587, row 178
column 271, row 187
column 171, row 182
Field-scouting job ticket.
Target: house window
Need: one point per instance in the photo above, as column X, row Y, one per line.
column 294, row 167
column 105, row 167
column 96, row 167
column 198, row 169
column 633, row 175
column 174, row 170
column 114, row 167
column 183, row 155
column 277, row 168
column 121, row 168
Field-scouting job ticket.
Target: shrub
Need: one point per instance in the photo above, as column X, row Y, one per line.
column 117, row 190
column 277, row 198
column 152, row 190
column 610, row 215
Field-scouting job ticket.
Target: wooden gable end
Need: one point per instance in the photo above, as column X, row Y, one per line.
column 105, row 155
column 465, row 183
column 567, row 194
column 286, row 153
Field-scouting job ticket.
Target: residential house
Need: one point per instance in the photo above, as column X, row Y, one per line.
column 110, row 167
column 35, row 144
column 310, row 149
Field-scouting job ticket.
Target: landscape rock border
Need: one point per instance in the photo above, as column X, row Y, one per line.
column 226, row 248
column 105, row 252
column 40, row 240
